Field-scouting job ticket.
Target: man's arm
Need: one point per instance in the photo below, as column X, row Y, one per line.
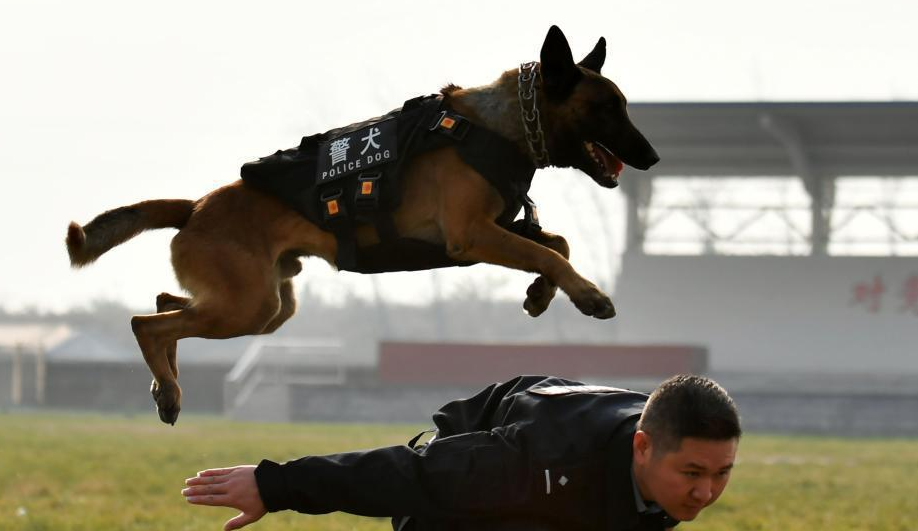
column 473, row 474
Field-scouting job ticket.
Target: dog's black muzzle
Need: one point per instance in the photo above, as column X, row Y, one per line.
column 645, row 160
column 636, row 151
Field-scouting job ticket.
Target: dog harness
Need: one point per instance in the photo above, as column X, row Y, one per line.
column 350, row 176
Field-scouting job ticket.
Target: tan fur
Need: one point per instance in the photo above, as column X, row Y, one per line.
column 495, row 106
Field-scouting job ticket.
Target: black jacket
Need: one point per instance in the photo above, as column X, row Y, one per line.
column 535, row 447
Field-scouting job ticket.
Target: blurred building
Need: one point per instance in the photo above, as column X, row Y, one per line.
column 23, row 361
column 774, row 247
column 57, row 366
column 282, row 379
column 782, row 236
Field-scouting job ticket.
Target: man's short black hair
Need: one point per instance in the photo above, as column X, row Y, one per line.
column 689, row 406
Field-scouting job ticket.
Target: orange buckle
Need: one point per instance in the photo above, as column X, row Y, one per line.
column 454, row 125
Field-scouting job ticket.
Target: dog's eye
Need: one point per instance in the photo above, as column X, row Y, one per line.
column 614, row 106
column 613, row 102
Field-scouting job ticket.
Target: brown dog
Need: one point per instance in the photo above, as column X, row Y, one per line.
column 238, row 247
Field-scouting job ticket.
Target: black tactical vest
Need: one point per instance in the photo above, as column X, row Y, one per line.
column 351, row 176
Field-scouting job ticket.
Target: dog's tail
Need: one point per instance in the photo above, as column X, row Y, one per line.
column 87, row 243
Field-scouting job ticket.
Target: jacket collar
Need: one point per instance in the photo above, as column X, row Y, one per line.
column 622, row 511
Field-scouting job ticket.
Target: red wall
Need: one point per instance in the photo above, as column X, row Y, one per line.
column 457, row 363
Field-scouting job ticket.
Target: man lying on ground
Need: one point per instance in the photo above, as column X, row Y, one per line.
column 533, row 454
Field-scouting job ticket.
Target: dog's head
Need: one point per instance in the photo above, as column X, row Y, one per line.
column 585, row 117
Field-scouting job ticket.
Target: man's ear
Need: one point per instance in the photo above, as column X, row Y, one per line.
column 641, row 447
column 559, row 73
column 595, row 59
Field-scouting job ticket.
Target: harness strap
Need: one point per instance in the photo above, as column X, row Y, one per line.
column 413, row 443
column 530, row 216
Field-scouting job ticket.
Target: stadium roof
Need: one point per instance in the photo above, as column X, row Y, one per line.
column 809, row 139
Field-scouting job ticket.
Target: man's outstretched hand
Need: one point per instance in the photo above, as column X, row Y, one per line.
column 228, row 487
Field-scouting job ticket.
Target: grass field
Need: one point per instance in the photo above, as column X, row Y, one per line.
column 91, row 472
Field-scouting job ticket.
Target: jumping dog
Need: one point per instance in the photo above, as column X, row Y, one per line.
column 238, row 248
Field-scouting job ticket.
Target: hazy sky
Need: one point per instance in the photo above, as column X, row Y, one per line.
column 106, row 103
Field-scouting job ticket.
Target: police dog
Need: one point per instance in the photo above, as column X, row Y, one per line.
column 238, row 248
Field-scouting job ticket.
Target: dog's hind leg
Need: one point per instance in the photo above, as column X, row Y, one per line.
column 287, row 306
column 166, row 302
column 164, row 388
column 288, row 266
column 250, row 311
column 233, row 294
column 542, row 290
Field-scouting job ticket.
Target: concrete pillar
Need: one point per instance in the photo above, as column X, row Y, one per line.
column 822, row 200
column 638, row 192
column 821, row 188
column 16, row 377
column 40, row 377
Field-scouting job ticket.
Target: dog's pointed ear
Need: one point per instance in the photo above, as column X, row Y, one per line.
column 559, row 73
column 595, row 59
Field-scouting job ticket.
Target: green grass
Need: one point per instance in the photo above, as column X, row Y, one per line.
column 91, row 472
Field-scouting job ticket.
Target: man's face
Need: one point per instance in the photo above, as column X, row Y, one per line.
column 685, row 480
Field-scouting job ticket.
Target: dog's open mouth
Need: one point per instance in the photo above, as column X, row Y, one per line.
column 608, row 165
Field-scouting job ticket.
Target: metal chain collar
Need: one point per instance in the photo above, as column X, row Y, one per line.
column 532, row 123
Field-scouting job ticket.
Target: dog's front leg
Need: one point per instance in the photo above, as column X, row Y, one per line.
column 542, row 290
column 485, row 241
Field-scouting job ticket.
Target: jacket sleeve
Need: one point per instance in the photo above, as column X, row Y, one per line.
column 473, row 474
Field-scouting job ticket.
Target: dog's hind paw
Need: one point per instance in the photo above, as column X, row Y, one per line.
column 168, row 400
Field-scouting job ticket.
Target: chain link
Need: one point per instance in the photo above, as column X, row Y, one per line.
column 530, row 116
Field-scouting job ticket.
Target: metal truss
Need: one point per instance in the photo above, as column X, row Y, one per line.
column 875, row 216
column 819, row 212
column 718, row 217
column 696, row 215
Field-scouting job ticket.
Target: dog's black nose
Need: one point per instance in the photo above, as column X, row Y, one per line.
column 648, row 159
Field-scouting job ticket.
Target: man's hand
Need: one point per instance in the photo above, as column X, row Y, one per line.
column 228, row 487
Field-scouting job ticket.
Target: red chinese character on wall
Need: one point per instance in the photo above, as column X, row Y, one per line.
column 910, row 294
column 869, row 293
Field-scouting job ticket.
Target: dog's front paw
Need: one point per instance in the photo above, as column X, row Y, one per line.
column 168, row 398
column 539, row 296
column 595, row 303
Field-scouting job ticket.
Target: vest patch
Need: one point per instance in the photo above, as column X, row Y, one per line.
column 357, row 151
column 561, row 390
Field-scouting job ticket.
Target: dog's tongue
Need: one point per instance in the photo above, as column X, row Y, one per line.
column 610, row 161
column 619, row 166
